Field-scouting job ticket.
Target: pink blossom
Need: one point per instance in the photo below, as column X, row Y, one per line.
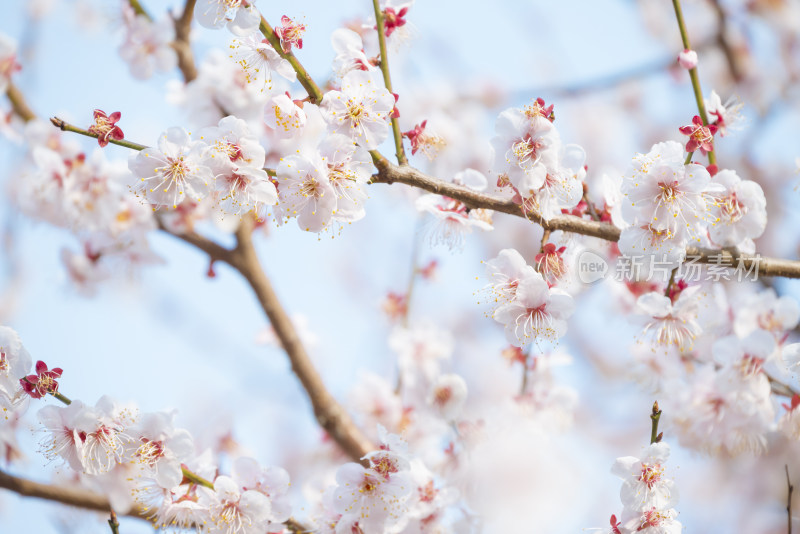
column 105, row 127
column 701, row 137
column 290, row 33
column 43, row 382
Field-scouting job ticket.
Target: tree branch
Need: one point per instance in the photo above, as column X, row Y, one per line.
column 327, row 410
column 83, row 498
column 389, row 173
column 18, row 104
column 182, row 45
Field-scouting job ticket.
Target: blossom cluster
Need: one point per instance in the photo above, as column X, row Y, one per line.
column 648, row 496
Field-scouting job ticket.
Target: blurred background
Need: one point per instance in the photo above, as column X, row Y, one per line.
column 169, row 336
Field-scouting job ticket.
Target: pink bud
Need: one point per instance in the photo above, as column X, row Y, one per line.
column 688, row 59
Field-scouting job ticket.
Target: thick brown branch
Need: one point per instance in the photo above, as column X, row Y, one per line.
column 182, row 45
column 389, row 173
column 87, row 499
column 65, row 495
column 329, row 413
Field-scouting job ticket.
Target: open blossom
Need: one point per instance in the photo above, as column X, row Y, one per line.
column 147, row 45
column 285, row 117
column 766, row 311
column 426, row 141
column 290, row 33
column 375, row 500
column 241, row 16
column 15, row 362
column 739, row 212
column 43, row 382
column 305, row 191
column 234, row 509
column 701, row 137
column 105, row 126
column 451, row 218
column 666, row 195
column 448, row 395
column 259, row 60
column 645, row 484
column 350, row 54
column 526, row 149
column 671, row 324
column 160, row 448
column 506, row 272
column 563, row 185
column 727, row 410
column 91, row 440
column 536, row 313
column 361, row 108
column 236, row 160
column 725, row 117
column 173, row 171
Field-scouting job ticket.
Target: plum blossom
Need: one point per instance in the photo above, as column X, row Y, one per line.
column 220, row 85
column 15, row 363
column 451, row 218
column 726, row 116
column 43, row 382
column 160, row 448
column 360, row 109
column 766, row 311
column 701, row 136
column 536, row 313
column 426, row 141
column 105, row 126
column 350, row 54
column 234, row 509
column 738, row 213
column 447, row 396
column 377, row 501
column 285, row 117
column 241, row 16
column 506, row 272
column 648, row 496
column 671, row 323
column 259, row 60
column 236, row 160
column 526, row 148
column 664, row 194
column 290, row 33
column 272, row 482
column 147, row 45
column 644, row 482
column 173, row 171
column 305, row 191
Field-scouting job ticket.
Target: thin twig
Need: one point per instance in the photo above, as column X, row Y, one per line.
column 387, row 80
column 698, row 92
column 113, row 523
column 788, row 501
column 66, row 127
